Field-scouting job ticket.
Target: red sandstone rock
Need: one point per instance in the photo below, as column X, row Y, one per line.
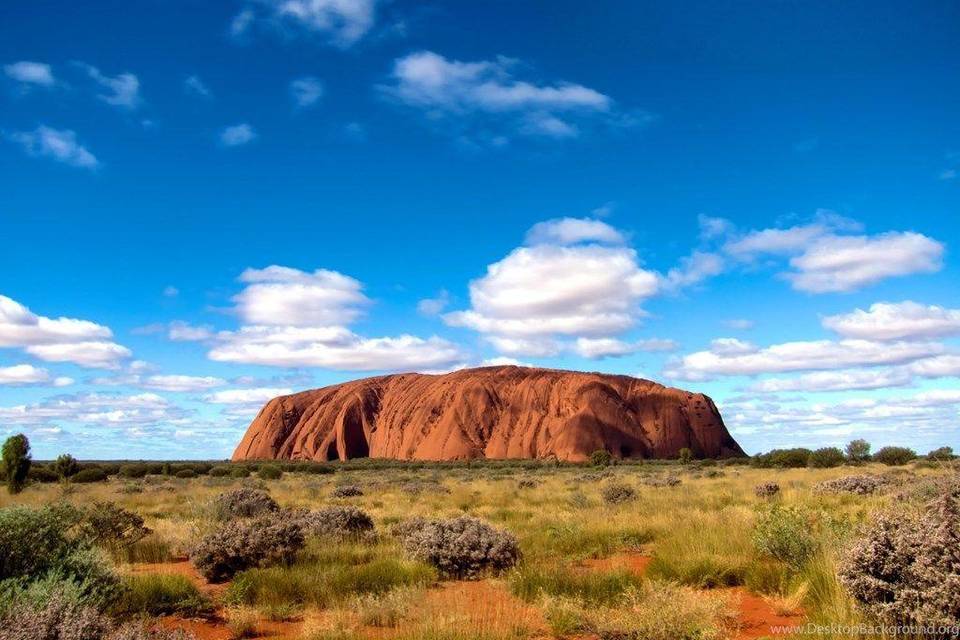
column 490, row 412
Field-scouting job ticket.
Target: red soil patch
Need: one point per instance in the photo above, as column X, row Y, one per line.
column 757, row 617
column 634, row 562
column 217, row 629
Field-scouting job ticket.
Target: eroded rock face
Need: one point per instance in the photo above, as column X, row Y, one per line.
column 490, row 412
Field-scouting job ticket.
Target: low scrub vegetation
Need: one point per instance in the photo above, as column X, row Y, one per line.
column 461, row 547
column 240, row 544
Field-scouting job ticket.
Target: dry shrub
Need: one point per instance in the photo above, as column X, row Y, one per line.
column 142, row 631
column 906, row 569
column 766, row 489
column 661, row 481
column 60, row 617
column 859, row 484
column 244, row 502
column 338, row 522
column 462, row 547
column 242, row 544
column 346, row 491
column 617, row 493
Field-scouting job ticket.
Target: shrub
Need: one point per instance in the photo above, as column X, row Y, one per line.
column 42, row 474
column 906, row 568
column 858, row 484
column 35, row 540
column 346, row 491
column 384, row 609
column 66, row 466
column 858, row 450
column 59, row 615
column 270, row 472
column 338, row 522
column 783, row 458
column 595, row 587
column 942, row 454
column 185, row 474
column 462, row 547
column 766, row 489
column 133, row 470
column 112, row 526
column 528, row 483
column 144, row 631
column 825, row 458
column 784, row 533
column 220, row 472
column 241, row 544
column 240, row 472
column 685, row 455
column 16, row 462
column 661, row 481
column 244, row 502
column 894, row 456
column 617, row 493
column 601, row 458
column 160, row 594
column 90, row 474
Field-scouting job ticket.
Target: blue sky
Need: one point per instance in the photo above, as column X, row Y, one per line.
column 207, row 204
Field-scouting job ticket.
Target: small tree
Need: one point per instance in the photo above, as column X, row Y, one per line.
column 894, row 456
column 825, row 458
column 858, row 450
column 941, row 454
column 600, row 458
column 66, row 466
column 16, row 462
column 685, row 455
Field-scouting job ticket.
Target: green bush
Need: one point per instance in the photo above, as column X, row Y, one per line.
column 600, row 458
column 42, row 473
column 826, row 457
column 783, row 458
column 858, row 450
column 942, row 454
column 784, row 533
column 66, row 466
column 685, row 455
column 222, row 471
column 185, row 474
column 894, row 456
column 133, row 470
column 239, row 472
column 16, row 462
column 532, row 582
column 90, row 474
column 270, row 472
column 162, row 594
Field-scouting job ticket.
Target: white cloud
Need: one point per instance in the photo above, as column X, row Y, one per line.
column 182, row 332
column 487, row 89
column 712, row 227
column 194, row 86
column 58, row 339
column 342, row 23
column 503, row 362
column 93, row 354
column 22, row 374
column 613, row 347
column 775, row 241
column 945, row 366
column 306, row 91
column 845, row 263
column 896, row 321
column 332, row 348
column 170, row 291
column 731, row 357
column 58, row 144
column 237, row 135
column 122, row 90
column 567, row 231
column 741, row 324
column 434, row 306
column 182, row 383
column 283, row 296
column 246, row 396
column 28, row 72
column 96, row 409
column 836, row 381
column 694, row 269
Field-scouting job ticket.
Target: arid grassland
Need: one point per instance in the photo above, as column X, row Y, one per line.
column 659, row 551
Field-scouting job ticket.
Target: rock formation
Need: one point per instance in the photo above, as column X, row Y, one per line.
column 490, row 412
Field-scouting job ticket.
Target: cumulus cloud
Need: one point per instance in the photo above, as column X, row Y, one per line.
column 295, row 318
column 595, row 348
column 283, row 296
column 567, row 231
column 341, row 23
column 182, row 383
column 731, row 357
column 488, row 91
column 836, row 381
column 121, row 91
column 96, row 409
column 237, row 135
column 31, row 73
column 434, row 306
column 57, row 144
column 693, row 270
column 23, row 374
column 306, row 91
column 845, row 263
column 58, row 339
column 246, row 396
column 828, row 256
column 906, row 320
